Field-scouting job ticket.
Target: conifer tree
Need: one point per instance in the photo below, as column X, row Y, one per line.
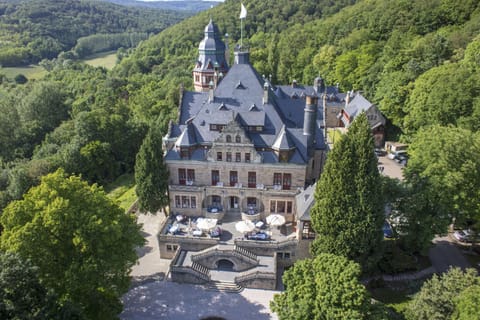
column 151, row 174
column 348, row 211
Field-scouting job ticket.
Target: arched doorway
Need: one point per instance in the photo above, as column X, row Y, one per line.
column 225, row 265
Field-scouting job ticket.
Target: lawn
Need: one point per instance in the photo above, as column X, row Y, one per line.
column 103, row 59
column 395, row 299
column 333, row 135
column 31, row 72
column 122, row 190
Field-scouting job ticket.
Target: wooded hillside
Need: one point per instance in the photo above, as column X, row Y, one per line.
column 37, row 29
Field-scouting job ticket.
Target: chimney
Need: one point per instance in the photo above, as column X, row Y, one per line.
column 310, row 121
column 211, row 96
column 227, row 50
column 319, row 85
column 347, row 98
column 266, row 87
column 310, row 116
column 294, row 83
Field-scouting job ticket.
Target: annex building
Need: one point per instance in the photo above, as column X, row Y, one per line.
column 243, row 157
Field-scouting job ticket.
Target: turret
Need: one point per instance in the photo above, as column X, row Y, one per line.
column 211, row 59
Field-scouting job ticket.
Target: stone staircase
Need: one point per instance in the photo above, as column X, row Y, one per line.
column 224, row 286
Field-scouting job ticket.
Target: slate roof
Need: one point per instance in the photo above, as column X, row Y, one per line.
column 239, row 97
column 304, row 201
column 359, row 104
column 211, row 50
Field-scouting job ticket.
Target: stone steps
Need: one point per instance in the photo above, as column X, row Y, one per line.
column 223, row 286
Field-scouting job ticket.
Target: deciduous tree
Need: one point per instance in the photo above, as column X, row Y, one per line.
column 325, row 287
column 436, row 299
column 82, row 242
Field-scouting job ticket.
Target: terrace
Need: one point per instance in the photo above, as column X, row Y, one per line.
column 224, row 231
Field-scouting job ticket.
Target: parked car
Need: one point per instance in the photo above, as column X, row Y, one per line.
column 379, row 152
column 387, row 230
column 463, row 235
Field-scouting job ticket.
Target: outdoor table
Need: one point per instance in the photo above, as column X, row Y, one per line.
column 173, row 228
column 197, row 233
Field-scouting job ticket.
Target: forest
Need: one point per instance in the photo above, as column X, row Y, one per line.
column 40, row 29
column 417, row 60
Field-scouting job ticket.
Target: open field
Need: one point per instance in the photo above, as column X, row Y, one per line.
column 103, row 59
column 31, row 72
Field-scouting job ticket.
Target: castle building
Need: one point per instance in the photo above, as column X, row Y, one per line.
column 244, row 152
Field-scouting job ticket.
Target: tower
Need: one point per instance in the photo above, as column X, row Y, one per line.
column 211, row 65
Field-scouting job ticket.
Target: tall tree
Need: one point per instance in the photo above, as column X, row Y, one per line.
column 348, row 211
column 151, row 174
column 436, row 299
column 325, row 287
column 466, row 304
column 444, row 161
column 81, row 241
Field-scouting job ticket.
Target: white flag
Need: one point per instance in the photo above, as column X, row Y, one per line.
column 243, row 12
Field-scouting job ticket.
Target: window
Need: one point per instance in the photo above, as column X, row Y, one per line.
column 251, row 202
column 277, row 179
column 213, row 127
column 219, row 156
column 178, row 204
column 307, row 231
column 229, row 138
column 172, row 247
column 185, row 202
column 190, row 176
column 252, row 179
column 283, row 156
column 193, row 202
column 184, row 153
column 247, row 157
column 283, row 255
column 215, row 177
column 229, row 157
column 216, row 201
column 197, row 78
column 233, row 178
column 238, row 139
column 287, row 181
column 238, row 157
column 289, row 206
column 182, row 177
column 281, row 206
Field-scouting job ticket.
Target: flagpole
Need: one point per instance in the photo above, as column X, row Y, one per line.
column 241, row 34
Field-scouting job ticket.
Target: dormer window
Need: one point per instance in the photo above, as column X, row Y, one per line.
column 228, row 138
column 238, row 139
column 240, row 85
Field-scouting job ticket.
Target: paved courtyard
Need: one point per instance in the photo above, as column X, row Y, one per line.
column 153, row 296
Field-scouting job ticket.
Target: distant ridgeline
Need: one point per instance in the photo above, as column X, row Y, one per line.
column 40, row 29
column 187, row 5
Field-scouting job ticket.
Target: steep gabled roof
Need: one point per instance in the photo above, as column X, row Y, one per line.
column 283, row 141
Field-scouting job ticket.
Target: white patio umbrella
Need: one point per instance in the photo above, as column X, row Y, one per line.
column 275, row 220
column 244, row 226
column 206, row 223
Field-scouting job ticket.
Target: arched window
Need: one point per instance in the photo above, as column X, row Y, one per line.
column 238, row 139
column 229, row 138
